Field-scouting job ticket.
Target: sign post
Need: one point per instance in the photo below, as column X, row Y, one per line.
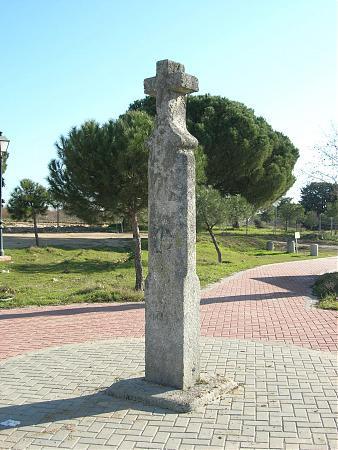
column 297, row 236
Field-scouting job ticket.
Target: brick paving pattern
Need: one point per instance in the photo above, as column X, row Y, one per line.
column 286, row 400
column 56, row 384
column 272, row 303
column 265, row 303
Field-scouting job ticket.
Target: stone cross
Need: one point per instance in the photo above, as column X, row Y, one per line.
column 172, row 294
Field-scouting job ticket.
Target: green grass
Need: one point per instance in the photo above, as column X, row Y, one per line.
column 326, row 289
column 240, row 252
column 43, row 276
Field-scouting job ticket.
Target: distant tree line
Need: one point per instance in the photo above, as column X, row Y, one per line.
column 317, row 209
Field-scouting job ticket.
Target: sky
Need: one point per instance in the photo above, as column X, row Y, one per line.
column 67, row 61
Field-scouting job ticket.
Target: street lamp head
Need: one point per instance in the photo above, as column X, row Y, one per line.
column 4, row 142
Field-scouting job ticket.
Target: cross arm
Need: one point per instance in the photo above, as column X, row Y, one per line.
column 150, row 86
column 183, row 83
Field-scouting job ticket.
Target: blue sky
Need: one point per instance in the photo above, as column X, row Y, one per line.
column 66, row 61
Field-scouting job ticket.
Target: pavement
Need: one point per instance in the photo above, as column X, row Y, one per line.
column 70, row 240
column 93, row 239
column 259, row 327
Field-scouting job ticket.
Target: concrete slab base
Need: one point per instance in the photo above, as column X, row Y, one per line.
column 208, row 390
column 5, row 258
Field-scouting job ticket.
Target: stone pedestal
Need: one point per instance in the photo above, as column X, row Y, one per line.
column 172, row 295
column 314, row 249
column 270, row 245
column 208, row 390
column 291, row 247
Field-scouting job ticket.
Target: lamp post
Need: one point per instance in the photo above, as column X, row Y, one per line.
column 4, row 142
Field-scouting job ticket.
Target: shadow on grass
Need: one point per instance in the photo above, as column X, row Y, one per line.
column 73, row 265
column 89, row 266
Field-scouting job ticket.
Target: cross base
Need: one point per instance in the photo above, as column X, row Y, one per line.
column 208, row 390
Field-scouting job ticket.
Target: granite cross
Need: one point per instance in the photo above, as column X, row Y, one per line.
column 172, row 287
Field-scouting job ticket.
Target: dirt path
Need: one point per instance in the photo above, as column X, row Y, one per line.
column 69, row 240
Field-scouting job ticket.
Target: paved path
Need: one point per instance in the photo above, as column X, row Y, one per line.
column 286, row 400
column 70, row 240
column 264, row 303
column 55, row 389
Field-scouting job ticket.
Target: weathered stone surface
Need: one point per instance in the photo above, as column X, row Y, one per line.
column 314, row 249
column 291, row 247
column 207, row 390
column 172, row 287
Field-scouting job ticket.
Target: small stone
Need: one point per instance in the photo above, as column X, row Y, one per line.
column 314, row 249
column 270, row 246
column 291, row 246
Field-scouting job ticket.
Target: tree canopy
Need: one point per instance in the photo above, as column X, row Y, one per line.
column 27, row 201
column 317, row 195
column 289, row 211
column 244, row 154
column 101, row 171
column 238, row 209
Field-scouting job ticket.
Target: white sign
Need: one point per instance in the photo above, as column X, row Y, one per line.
column 297, row 235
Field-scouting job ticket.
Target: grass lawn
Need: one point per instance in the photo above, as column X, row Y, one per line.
column 306, row 235
column 44, row 276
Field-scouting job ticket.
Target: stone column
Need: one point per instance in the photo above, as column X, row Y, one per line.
column 291, row 246
column 270, row 245
column 314, row 249
column 172, row 295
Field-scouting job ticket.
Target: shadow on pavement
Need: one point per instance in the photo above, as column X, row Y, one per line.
column 247, row 297
column 72, row 311
column 70, row 408
column 297, row 284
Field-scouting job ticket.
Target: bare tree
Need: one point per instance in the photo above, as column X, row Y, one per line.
column 326, row 162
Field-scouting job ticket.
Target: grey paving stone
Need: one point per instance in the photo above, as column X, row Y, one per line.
column 49, row 392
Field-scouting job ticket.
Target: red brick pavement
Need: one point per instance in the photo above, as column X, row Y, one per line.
column 264, row 303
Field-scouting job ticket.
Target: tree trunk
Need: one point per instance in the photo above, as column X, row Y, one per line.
column 286, row 225
column 246, row 226
column 139, row 282
column 36, row 231
column 57, row 218
column 219, row 254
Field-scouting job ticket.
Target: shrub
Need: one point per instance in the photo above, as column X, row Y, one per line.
column 6, row 293
column 326, row 284
column 326, row 288
column 258, row 223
